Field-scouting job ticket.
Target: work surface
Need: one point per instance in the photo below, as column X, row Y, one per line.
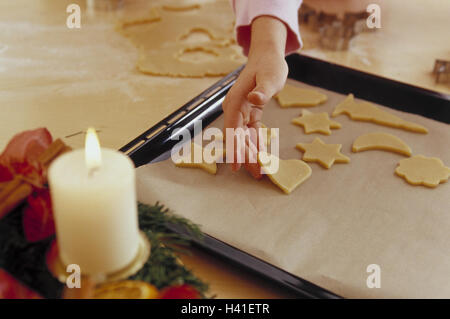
column 67, row 80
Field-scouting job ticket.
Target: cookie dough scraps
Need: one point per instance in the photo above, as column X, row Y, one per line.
column 185, row 40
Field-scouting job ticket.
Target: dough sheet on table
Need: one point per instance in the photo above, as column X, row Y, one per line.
column 337, row 222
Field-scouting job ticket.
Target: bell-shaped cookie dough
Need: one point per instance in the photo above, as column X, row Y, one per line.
column 292, row 96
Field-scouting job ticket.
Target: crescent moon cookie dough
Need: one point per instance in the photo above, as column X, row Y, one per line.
column 185, row 41
column 367, row 112
column 290, row 173
column 316, row 122
column 324, row 154
column 188, row 160
column 381, row 141
column 421, row 170
column 292, row 96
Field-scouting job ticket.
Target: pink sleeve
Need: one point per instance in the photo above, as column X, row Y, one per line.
column 285, row 10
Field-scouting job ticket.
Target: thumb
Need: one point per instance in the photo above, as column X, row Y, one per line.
column 265, row 88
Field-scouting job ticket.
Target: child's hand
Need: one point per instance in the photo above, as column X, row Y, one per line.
column 263, row 76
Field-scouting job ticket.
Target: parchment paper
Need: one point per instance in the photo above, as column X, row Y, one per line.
column 335, row 224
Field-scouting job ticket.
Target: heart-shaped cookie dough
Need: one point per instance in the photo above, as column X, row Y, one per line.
column 288, row 174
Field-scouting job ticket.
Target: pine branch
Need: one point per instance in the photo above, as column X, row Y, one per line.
column 26, row 261
column 163, row 269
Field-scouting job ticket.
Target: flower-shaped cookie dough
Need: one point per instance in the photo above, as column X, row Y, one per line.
column 421, row 170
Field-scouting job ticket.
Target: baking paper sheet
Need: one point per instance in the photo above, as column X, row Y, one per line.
column 336, row 224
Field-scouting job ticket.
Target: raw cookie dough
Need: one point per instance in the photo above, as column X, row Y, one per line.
column 188, row 160
column 292, row 96
column 421, row 170
column 151, row 17
column 168, row 40
column 324, row 154
column 170, row 62
column 365, row 111
column 188, row 7
column 380, row 141
column 316, row 122
column 290, row 174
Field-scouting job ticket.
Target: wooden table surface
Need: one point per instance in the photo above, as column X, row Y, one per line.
column 67, row 80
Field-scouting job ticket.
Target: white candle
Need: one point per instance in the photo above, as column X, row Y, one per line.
column 94, row 204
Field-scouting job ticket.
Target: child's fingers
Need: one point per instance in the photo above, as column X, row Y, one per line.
column 257, row 98
column 237, row 113
column 266, row 87
column 251, row 155
column 255, row 118
column 237, row 151
column 268, row 82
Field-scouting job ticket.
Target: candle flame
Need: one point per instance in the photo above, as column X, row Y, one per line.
column 92, row 153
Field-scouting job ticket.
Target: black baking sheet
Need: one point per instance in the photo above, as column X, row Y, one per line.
column 155, row 144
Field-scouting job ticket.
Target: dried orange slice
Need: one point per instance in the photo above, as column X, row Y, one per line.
column 128, row 289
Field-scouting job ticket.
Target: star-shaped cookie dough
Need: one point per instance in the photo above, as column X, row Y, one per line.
column 316, row 122
column 324, row 154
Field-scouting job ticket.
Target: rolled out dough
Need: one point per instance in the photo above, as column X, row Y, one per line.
column 169, row 43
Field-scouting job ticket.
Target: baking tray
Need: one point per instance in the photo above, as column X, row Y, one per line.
column 155, row 144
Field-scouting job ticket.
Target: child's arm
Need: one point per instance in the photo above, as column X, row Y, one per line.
column 271, row 35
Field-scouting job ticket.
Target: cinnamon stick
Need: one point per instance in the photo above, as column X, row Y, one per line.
column 13, row 192
column 56, row 149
